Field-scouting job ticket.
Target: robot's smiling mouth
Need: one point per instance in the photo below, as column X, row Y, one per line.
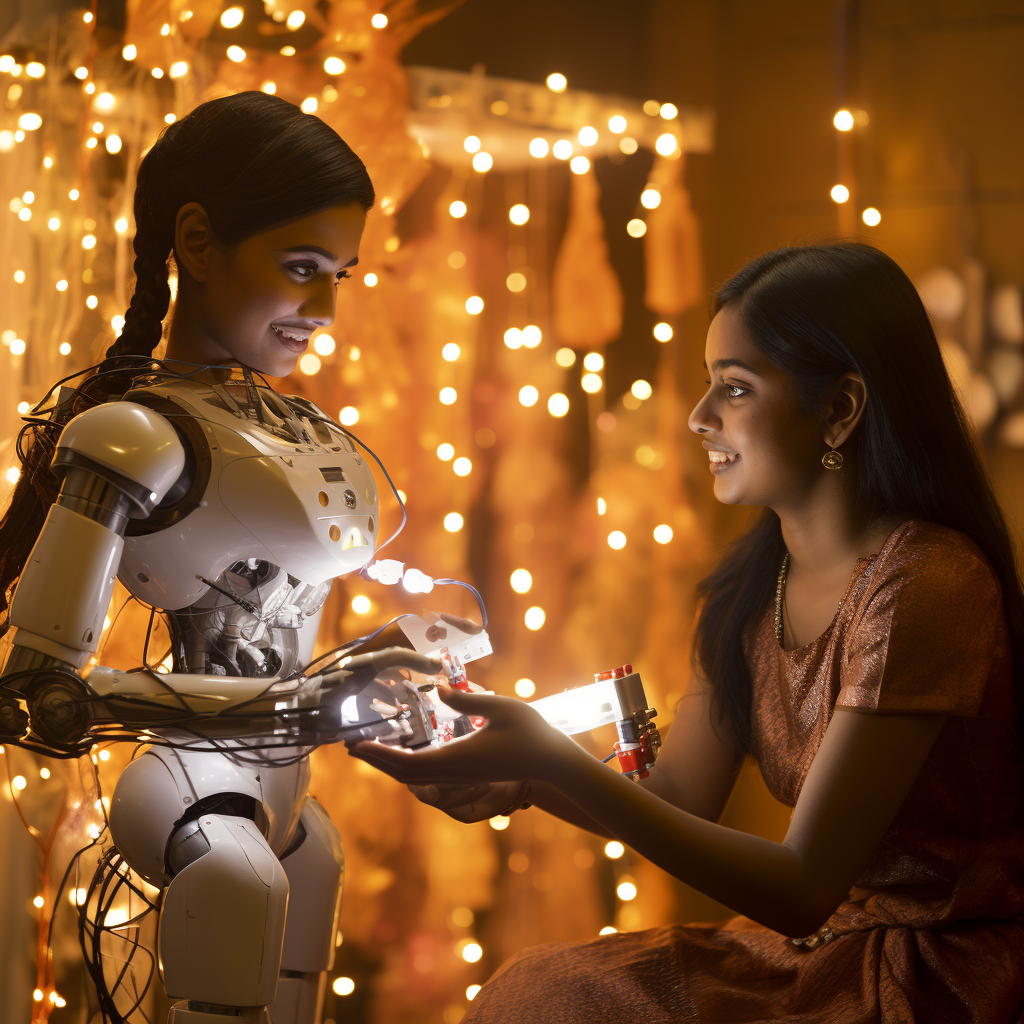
column 296, row 335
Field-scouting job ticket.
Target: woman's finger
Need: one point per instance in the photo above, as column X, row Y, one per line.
column 483, row 705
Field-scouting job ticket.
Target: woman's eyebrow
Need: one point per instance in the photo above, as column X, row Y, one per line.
column 722, row 364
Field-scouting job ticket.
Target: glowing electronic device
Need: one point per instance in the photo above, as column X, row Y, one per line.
column 616, row 696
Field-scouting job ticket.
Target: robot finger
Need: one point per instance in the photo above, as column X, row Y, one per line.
column 393, row 657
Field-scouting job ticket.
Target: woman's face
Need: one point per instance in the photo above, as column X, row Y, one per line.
column 258, row 302
column 763, row 448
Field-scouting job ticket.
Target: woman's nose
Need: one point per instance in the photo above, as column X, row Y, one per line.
column 702, row 419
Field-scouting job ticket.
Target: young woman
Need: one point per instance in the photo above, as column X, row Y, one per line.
column 863, row 641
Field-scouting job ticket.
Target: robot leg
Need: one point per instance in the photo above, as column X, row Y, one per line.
column 222, row 923
column 316, row 868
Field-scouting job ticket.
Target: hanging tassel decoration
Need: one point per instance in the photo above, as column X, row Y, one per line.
column 673, row 265
column 585, row 290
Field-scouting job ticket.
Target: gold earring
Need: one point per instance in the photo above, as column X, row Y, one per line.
column 832, row 459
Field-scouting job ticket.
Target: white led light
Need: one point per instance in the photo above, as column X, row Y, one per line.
column 616, row 540
column 416, row 582
column 650, row 199
column 387, row 571
column 663, row 331
column 558, row 404
column 593, row 361
column 587, row 136
column 617, row 124
column 666, row 144
column 532, row 335
column 626, row 891
column 539, row 148
column 843, row 120
column 521, row 581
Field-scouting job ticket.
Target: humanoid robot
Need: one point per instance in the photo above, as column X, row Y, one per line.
column 233, row 508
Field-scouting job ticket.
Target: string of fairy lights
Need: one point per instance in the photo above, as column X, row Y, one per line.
column 842, row 192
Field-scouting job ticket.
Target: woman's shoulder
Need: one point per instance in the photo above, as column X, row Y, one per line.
column 920, row 551
column 928, row 627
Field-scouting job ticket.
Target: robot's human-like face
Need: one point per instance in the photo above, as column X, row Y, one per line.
column 257, row 303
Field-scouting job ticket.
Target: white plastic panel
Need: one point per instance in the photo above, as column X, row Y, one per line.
column 223, row 918
column 131, row 440
column 65, row 587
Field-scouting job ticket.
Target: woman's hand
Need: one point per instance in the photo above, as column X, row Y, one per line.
column 470, row 803
column 515, row 744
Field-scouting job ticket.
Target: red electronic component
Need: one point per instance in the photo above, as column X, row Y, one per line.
column 454, row 671
column 613, row 673
column 633, row 759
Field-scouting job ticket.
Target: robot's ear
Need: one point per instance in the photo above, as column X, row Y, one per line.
column 193, row 241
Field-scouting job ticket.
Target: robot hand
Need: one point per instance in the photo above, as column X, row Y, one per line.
column 376, row 699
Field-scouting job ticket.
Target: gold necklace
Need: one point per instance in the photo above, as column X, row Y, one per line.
column 780, row 589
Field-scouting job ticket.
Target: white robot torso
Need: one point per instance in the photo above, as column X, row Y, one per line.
column 273, row 503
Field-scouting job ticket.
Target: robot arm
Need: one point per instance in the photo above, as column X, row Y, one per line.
column 117, row 460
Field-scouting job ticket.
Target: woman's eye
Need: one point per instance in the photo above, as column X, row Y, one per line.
column 734, row 391
column 303, row 270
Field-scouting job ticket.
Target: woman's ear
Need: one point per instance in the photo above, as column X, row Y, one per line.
column 849, row 399
column 193, row 241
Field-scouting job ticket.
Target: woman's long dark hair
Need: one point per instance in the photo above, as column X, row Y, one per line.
column 252, row 161
column 817, row 312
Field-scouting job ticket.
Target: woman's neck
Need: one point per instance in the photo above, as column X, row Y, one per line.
column 828, row 532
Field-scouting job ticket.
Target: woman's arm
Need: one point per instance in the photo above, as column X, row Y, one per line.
column 860, row 776
column 696, row 772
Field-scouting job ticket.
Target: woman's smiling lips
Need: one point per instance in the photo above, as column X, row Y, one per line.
column 721, row 459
